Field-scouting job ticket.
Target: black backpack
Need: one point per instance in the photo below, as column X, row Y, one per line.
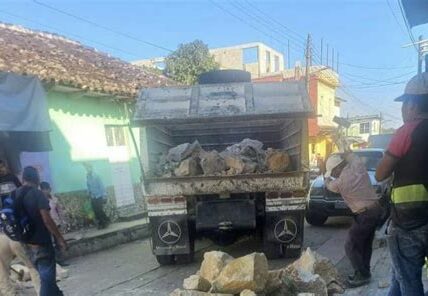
column 14, row 219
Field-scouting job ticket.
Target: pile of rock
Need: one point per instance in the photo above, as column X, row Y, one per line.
column 222, row 275
column 246, row 157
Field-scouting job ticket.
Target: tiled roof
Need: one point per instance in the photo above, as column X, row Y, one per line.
column 65, row 62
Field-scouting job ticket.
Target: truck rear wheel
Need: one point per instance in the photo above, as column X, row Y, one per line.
column 165, row 259
column 315, row 219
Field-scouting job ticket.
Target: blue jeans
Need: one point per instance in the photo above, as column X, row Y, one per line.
column 43, row 259
column 408, row 251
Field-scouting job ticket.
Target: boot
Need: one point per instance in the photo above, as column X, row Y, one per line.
column 358, row 280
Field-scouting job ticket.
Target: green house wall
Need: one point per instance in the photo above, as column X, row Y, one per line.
column 78, row 135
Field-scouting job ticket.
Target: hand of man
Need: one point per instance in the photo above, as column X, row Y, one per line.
column 63, row 245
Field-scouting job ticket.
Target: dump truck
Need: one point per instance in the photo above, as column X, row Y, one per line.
column 223, row 109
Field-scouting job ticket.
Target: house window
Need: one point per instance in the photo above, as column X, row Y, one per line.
column 267, row 61
column 365, row 128
column 250, row 55
column 276, row 63
column 115, row 135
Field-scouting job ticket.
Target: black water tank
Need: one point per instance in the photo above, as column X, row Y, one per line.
column 224, row 76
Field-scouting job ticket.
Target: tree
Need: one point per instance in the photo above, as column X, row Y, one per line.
column 189, row 61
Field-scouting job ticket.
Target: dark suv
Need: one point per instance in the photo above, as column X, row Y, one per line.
column 322, row 203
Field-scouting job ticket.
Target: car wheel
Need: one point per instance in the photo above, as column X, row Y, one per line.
column 315, row 219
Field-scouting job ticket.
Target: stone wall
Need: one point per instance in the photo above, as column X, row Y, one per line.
column 78, row 214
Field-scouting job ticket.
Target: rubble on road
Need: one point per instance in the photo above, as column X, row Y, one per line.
column 221, row 274
column 246, row 157
column 196, row 282
column 213, row 264
column 179, row 292
column 247, row 272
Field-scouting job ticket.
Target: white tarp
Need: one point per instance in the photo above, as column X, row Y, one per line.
column 23, row 106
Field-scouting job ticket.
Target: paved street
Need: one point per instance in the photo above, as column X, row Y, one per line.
column 131, row 269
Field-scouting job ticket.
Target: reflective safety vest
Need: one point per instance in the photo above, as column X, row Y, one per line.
column 410, row 191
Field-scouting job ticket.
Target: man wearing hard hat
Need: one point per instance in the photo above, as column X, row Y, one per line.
column 346, row 174
column 407, row 159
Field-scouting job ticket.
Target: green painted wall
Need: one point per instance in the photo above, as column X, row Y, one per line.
column 78, row 135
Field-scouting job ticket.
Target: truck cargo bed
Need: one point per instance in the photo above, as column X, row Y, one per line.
column 267, row 182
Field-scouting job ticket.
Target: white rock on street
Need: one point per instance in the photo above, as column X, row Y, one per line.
column 196, row 282
column 213, row 264
column 247, row 272
column 179, row 292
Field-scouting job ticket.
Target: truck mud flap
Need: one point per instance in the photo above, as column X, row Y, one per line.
column 285, row 227
column 170, row 235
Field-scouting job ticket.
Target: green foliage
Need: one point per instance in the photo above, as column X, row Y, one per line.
column 190, row 60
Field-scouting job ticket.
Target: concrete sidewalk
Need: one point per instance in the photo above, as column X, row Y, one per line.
column 91, row 240
column 381, row 276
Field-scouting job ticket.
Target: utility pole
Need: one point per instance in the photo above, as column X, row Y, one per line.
column 308, row 56
column 337, row 62
column 332, row 58
column 420, row 55
column 321, row 49
column 288, row 53
column 327, row 55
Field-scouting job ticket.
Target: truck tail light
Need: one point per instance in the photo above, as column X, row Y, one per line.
column 153, row 200
column 272, row 195
column 287, row 194
column 179, row 199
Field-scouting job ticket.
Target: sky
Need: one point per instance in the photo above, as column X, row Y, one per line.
column 369, row 35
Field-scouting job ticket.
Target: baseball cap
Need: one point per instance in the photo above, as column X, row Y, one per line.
column 333, row 161
column 415, row 88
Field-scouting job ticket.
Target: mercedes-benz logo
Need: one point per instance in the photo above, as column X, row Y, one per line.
column 169, row 232
column 285, row 230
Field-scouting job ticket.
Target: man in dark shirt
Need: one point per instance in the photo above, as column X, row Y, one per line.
column 8, row 181
column 407, row 158
column 39, row 246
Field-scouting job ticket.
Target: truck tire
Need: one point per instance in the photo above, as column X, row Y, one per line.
column 165, row 259
column 315, row 219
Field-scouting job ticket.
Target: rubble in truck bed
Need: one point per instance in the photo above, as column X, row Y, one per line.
column 246, row 157
column 222, row 275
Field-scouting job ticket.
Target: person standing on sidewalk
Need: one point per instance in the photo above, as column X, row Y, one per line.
column 97, row 193
column 39, row 246
column 346, row 174
column 407, row 159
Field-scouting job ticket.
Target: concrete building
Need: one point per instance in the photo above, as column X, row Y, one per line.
column 323, row 83
column 256, row 58
column 365, row 126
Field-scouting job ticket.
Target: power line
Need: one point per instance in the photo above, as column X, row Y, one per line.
column 246, row 22
column 302, row 38
column 126, row 35
column 409, row 31
column 348, row 92
column 70, row 34
column 396, row 18
column 375, row 67
column 374, row 81
column 264, row 23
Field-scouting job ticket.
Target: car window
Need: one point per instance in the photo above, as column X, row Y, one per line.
column 370, row 158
